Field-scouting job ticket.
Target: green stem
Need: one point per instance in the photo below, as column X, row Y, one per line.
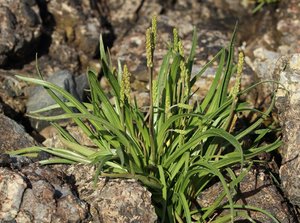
column 151, row 125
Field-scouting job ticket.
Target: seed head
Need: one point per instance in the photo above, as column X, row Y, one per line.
column 240, row 64
column 154, row 30
column 125, row 86
column 149, row 47
column 126, row 78
column 168, row 107
column 154, row 92
column 236, row 87
column 180, row 48
column 175, row 39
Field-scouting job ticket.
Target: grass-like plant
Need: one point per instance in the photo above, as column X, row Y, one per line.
column 261, row 3
column 177, row 148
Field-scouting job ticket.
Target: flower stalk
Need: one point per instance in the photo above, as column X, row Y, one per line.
column 151, row 35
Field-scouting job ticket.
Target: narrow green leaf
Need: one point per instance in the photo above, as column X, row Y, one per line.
column 164, row 192
column 56, row 161
column 83, row 150
column 107, row 108
column 197, row 138
column 229, row 66
column 186, row 208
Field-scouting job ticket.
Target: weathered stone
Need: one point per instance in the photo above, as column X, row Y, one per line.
column 39, row 97
column 288, row 108
column 12, row 187
column 276, row 31
column 66, row 55
column 76, row 34
column 123, row 12
column 52, row 137
column 269, row 65
column 14, row 162
column 123, row 16
column 20, row 31
column 113, row 200
column 265, row 64
column 87, row 37
column 77, row 209
column 288, row 26
column 11, row 93
column 13, row 136
column 39, row 201
column 256, row 189
column 38, row 194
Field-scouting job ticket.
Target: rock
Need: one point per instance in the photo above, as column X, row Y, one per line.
column 52, row 137
column 288, row 26
column 256, row 189
column 270, row 65
column 87, row 37
column 11, row 94
column 21, row 30
column 12, row 187
column 123, row 16
column 13, row 136
column 75, row 38
column 67, row 57
column 39, row 194
column 113, row 200
column 277, row 31
column 39, row 97
column 289, row 113
column 14, row 162
column 264, row 65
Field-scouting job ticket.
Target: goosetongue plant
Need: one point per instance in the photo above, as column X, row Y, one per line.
column 178, row 147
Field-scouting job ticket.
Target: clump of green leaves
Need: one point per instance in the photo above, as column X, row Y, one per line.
column 179, row 147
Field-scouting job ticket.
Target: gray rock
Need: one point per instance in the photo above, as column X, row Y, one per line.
column 11, row 94
column 270, row 65
column 20, row 30
column 12, row 187
column 75, row 38
column 39, row 194
column 257, row 189
column 14, row 162
column 289, row 113
column 65, row 55
column 13, row 136
column 277, row 31
column 52, row 136
column 124, row 15
column 288, row 26
column 264, row 65
column 113, row 200
column 39, row 98
column 39, row 201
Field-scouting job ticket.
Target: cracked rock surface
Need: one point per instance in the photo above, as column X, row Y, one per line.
column 288, row 107
column 38, row 194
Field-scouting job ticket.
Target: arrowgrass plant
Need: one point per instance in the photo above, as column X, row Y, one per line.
column 178, row 148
